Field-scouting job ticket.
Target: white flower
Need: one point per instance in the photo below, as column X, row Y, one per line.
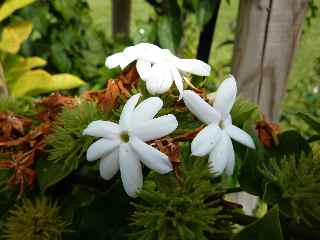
column 158, row 67
column 122, row 146
column 216, row 137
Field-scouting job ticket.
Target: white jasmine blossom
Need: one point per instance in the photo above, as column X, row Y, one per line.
column 159, row 68
column 215, row 139
column 122, row 146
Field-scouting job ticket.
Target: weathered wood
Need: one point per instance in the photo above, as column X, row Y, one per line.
column 267, row 37
column 268, row 33
column 121, row 18
column 3, row 86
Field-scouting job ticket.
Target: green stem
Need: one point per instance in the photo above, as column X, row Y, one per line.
column 3, row 86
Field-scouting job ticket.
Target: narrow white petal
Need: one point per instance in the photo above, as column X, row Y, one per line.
column 130, row 54
column 177, row 80
column 155, row 128
column 206, row 140
column 221, row 155
column 105, row 129
column 194, row 66
column 115, row 60
column 109, row 165
column 127, row 112
column 151, row 157
column 100, row 148
column 160, row 79
column 200, row 108
column 226, row 96
column 240, row 136
column 230, row 164
column 131, row 170
column 147, row 109
column 143, row 68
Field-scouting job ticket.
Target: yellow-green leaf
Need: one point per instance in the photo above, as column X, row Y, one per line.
column 33, row 62
column 9, row 6
column 14, row 35
column 39, row 81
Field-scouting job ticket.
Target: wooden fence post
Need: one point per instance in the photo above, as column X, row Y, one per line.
column 268, row 33
column 121, row 12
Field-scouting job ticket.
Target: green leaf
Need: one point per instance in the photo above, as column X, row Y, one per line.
column 9, row 6
column 310, row 120
column 291, row 142
column 14, row 35
column 50, row 173
column 266, row 228
column 244, row 110
column 39, row 81
column 250, row 178
column 165, row 34
column 204, row 11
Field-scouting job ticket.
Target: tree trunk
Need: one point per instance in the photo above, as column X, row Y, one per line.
column 267, row 37
column 121, row 19
column 3, row 86
column 268, row 33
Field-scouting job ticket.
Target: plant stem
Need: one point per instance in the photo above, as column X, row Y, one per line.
column 3, row 87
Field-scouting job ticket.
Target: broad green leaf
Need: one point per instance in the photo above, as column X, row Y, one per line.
column 165, row 33
column 40, row 81
column 204, row 11
column 244, row 110
column 291, row 142
column 9, row 6
column 14, row 35
column 310, row 120
column 266, row 228
column 15, row 66
column 50, row 173
column 250, row 178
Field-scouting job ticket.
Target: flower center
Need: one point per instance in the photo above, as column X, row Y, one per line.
column 124, row 136
column 222, row 124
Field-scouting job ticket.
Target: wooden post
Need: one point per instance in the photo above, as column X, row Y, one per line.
column 121, row 19
column 268, row 33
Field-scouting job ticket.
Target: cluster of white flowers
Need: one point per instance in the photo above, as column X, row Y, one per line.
column 122, row 146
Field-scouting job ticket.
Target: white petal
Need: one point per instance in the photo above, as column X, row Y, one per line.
column 206, row 140
column 147, row 109
column 105, row 129
column 221, row 155
column 143, row 68
column 150, row 52
column 177, row 80
column 240, row 136
column 226, row 96
column 130, row 54
column 109, row 165
column 155, row 128
column 151, row 157
column 100, row 148
column 115, row 60
column 230, row 165
column 127, row 112
column 200, row 108
column 194, row 66
column 160, row 79
column 131, row 170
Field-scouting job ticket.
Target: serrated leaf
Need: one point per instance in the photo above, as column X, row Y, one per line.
column 9, row 6
column 40, row 81
column 14, row 35
column 266, row 228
